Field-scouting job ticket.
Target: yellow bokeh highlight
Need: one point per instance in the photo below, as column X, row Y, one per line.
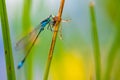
column 69, row 67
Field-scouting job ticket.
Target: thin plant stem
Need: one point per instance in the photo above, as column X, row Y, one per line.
column 26, row 24
column 95, row 42
column 7, row 42
column 56, row 27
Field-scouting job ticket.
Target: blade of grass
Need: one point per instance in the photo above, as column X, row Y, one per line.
column 7, row 42
column 111, row 56
column 26, row 24
column 26, row 21
column 95, row 42
column 116, row 44
column 56, row 27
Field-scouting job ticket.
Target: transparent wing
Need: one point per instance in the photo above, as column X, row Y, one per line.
column 65, row 20
column 26, row 40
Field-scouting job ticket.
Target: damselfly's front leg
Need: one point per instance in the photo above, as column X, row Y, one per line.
column 49, row 27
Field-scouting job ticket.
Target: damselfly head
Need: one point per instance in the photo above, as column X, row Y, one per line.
column 56, row 18
column 51, row 16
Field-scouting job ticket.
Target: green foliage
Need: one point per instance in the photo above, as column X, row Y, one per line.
column 113, row 10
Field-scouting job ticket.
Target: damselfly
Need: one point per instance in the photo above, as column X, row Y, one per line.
column 50, row 21
column 22, row 42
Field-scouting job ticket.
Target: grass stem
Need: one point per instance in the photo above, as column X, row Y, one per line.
column 95, row 42
column 7, row 42
column 56, row 27
column 26, row 25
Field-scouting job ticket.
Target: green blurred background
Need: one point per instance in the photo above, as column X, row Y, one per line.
column 73, row 56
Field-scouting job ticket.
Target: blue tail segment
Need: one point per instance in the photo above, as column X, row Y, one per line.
column 21, row 64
